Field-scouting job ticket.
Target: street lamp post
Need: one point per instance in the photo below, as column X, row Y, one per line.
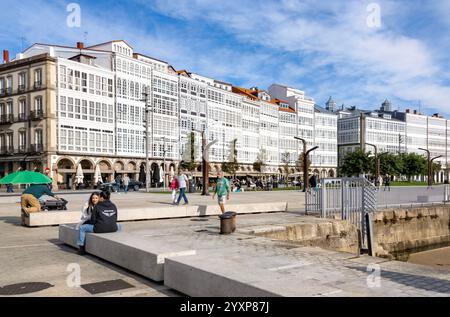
column 305, row 162
column 164, row 164
column 205, row 165
column 377, row 163
column 430, row 165
column 147, row 167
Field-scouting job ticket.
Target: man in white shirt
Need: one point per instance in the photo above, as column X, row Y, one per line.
column 182, row 184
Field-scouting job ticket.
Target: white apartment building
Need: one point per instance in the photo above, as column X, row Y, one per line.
column 427, row 132
column 357, row 128
column 193, row 115
column 395, row 132
column 100, row 116
column 317, row 126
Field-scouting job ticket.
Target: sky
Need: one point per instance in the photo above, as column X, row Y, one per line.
column 360, row 52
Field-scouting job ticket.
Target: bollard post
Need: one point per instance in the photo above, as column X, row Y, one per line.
column 369, row 230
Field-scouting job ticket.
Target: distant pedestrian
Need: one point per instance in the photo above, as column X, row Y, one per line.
column 387, row 183
column 313, row 182
column 380, row 181
column 9, row 188
column 182, row 184
column 222, row 189
column 126, row 182
column 173, row 186
column 118, row 182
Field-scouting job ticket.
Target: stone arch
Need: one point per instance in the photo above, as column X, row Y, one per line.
column 86, row 164
column 119, row 165
column 65, row 163
column 331, row 173
column 316, row 171
column 131, row 166
column 104, row 165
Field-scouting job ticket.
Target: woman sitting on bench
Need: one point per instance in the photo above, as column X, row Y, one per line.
column 103, row 220
column 88, row 208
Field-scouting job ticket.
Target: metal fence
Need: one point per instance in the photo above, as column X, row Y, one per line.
column 343, row 198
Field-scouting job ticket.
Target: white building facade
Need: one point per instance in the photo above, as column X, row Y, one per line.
column 101, row 116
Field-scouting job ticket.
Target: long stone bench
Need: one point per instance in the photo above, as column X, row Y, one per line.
column 50, row 218
column 144, row 257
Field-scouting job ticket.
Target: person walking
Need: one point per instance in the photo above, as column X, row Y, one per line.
column 103, row 220
column 182, row 184
column 387, row 183
column 118, row 182
column 313, row 182
column 126, row 182
column 222, row 189
column 173, row 186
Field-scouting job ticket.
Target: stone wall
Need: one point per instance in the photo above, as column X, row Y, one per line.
column 334, row 235
column 399, row 232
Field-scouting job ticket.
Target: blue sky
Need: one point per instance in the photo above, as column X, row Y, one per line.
column 322, row 47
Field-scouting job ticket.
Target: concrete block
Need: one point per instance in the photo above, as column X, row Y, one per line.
column 151, row 213
column 49, row 218
column 201, row 276
column 142, row 256
column 69, row 235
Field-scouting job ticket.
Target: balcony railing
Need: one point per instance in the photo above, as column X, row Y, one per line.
column 2, row 92
column 22, row 117
column 21, row 88
column 9, row 91
column 36, row 148
column 5, row 150
column 37, row 84
column 22, row 149
column 6, row 119
column 37, row 114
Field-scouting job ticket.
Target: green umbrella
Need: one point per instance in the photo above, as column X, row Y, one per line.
column 25, row 177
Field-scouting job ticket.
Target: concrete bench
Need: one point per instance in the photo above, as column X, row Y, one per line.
column 50, row 218
column 144, row 257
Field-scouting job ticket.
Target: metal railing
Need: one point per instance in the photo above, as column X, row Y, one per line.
column 6, row 118
column 37, row 114
column 36, row 148
column 343, row 198
column 22, row 117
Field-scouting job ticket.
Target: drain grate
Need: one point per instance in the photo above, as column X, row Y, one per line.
column 106, row 286
column 24, row 288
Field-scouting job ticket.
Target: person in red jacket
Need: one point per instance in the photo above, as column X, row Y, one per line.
column 174, row 187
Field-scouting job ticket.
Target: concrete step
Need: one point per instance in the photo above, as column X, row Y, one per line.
column 144, row 257
column 51, row 218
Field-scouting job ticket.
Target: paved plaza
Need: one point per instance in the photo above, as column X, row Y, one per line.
column 36, row 255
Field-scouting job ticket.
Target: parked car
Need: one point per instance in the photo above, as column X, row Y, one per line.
column 114, row 187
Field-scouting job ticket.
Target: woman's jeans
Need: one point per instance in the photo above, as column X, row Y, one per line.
column 182, row 195
column 89, row 229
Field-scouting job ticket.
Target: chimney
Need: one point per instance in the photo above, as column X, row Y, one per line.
column 415, row 111
column 80, row 45
column 408, row 111
column 5, row 56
